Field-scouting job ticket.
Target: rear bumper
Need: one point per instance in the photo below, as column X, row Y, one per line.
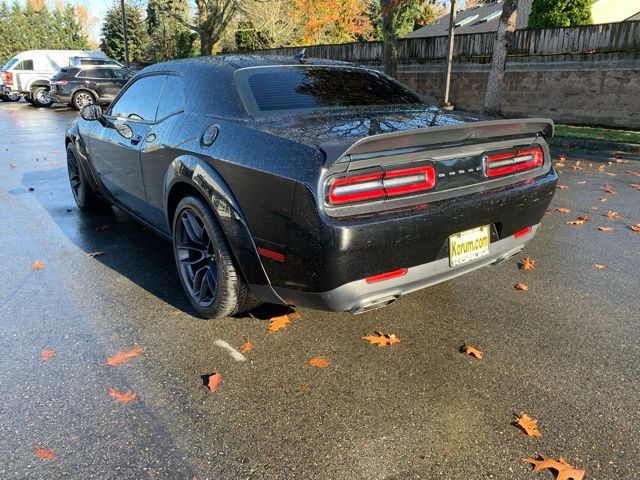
column 359, row 296
column 59, row 97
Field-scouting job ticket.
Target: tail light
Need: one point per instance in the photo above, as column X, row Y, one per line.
column 60, row 82
column 8, row 78
column 513, row 162
column 382, row 184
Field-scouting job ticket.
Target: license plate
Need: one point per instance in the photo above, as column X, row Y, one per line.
column 469, row 245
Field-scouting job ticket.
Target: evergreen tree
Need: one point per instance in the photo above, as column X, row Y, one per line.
column 560, row 13
column 112, row 37
column 409, row 16
column 169, row 38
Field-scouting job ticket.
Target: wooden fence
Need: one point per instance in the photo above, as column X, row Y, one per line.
column 605, row 38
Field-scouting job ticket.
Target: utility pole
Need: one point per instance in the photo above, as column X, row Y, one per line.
column 447, row 80
column 124, row 31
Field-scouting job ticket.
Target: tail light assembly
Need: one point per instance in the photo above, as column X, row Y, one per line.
column 380, row 185
column 497, row 165
column 6, row 78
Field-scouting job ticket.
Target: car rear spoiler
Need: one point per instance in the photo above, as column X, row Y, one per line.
column 448, row 135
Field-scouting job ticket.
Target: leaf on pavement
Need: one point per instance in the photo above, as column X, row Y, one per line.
column 607, row 189
column 635, row 185
column 599, row 266
column 38, row 265
column 381, row 340
column 124, row 357
column 47, row 354
column 582, row 182
column 278, row 323
column 522, row 286
column 213, row 381
column 606, row 229
column 585, row 218
column 45, row 453
column 548, row 212
column 576, row 222
column 603, row 199
column 635, row 228
column 94, row 254
column 528, row 264
column 246, row 347
column 563, row 469
column 319, row 362
column 563, row 210
column 471, row 351
column 122, row 397
column 563, row 187
column 631, row 172
column 12, row 165
column 613, row 215
column 529, row 425
column 294, row 315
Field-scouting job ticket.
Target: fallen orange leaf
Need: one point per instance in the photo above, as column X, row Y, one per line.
column 635, row 185
column 635, row 228
column 122, row 397
column 637, row 174
column 548, row 213
column 246, row 347
column 277, row 323
column 381, row 340
column 576, row 222
column 613, row 215
column 522, row 286
column 585, row 218
column 124, row 357
column 599, row 266
column 603, row 199
column 45, row 453
column 319, row 362
column 294, row 315
column 214, row 381
column 528, row 264
column 563, row 187
column 529, row 425
column 38, row 265
column 606, row 229
column 565, row 471
column 563, row 210
column 47, row 354
column 607, row 189
column 582, row 182
column 471, row 351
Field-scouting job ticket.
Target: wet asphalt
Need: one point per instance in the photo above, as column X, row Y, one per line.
column 566, row 351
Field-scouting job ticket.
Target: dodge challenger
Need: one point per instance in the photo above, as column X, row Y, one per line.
column 307, row 182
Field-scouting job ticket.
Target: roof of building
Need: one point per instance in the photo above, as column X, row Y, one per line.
column 481, row 19
column 633, row 18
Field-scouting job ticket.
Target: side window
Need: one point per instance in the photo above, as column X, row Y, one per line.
column 99, row 73
column 140, row 100
column 82, row 74
column 25, row 65
column 172, row 99
column 122, row 74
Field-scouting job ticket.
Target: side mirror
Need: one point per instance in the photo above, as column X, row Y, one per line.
column 91, row 112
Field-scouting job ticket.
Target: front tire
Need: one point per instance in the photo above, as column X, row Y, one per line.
column 205, row 266
column 83, row 194
column 41, row 97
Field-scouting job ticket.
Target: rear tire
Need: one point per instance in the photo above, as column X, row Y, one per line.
column 82, row 98
column 41, row 98
column 206, row 269
column 83, row 194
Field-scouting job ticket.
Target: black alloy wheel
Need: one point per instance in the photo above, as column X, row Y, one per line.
column 206, row 268
column 83, row 194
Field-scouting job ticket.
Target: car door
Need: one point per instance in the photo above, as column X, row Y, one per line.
column 102, row 82
column 115, row 143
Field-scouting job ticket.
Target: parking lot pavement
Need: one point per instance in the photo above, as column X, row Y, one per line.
column 566, row 351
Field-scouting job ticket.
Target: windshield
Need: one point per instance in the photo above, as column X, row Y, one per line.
column 10, row 63
column 272, row 89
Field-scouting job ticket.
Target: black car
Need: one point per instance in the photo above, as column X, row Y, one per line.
column 309, row 182
column 82, row 86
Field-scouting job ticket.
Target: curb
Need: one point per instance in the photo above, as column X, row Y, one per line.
column 585, row 143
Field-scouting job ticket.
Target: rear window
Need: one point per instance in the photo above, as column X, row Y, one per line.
column 272, row 89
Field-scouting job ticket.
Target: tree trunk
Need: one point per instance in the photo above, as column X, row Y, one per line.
column 501, row 46
column 389, row 39
column 207, row 43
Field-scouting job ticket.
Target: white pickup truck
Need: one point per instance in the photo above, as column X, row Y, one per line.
column 28, row 73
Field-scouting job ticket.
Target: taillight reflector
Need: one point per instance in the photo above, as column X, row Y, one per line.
column 387, row 276
column 513, row 162
column 390, row 183
column 9, row 78
column 278, row 257
column 523, row 232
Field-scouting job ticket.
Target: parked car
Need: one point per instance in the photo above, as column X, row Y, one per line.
column 81, row 86
column 28, row 73
column 309, row 182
